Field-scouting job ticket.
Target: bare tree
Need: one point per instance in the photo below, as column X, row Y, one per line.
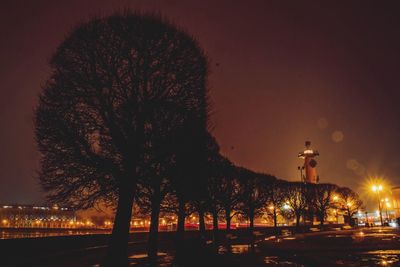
column 228, row 192
column 111, row 77
column 323, row 199
column 275, row 199
column 205, row 199
column 295, row 199
column 253, row 193
column 349, row 202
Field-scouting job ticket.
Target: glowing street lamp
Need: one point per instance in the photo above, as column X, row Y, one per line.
column 377, row 189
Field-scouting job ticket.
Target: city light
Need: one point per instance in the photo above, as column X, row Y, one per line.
column 377, row 189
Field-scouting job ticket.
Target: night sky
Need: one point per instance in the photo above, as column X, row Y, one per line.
column 282, row 72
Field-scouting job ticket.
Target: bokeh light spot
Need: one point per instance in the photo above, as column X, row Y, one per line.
column 356, row 167
column 352, row 164
column 337, row 136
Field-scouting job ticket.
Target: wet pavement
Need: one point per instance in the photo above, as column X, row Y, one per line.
column 359, row 247
column 362, row 247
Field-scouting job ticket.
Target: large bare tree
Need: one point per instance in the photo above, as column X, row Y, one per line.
column 115, row 82
column 253, row 193
column 323, row 199
column 349, row 202
column 296, row 199
column 275, row 199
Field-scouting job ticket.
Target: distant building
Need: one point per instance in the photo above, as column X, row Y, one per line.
column 396, row 200
column 29, row 216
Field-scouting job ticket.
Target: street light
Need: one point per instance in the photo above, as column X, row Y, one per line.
column 387, row 205
column 377, row 189
column 301, row 168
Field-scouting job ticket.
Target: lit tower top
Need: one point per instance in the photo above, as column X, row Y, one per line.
column 309, row 164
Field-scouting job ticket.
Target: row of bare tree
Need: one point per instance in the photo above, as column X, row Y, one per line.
column 124, row 118
column 225, row 191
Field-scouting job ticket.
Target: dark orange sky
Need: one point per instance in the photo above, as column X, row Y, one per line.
column 281, row 73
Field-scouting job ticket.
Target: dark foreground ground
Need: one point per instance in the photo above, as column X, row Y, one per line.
column 335, row 247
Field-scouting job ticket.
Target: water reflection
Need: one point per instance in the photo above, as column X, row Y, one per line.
column 237, row 249
column 163, row 259
column 276, row 261
column 372, row 258
column 27, row 233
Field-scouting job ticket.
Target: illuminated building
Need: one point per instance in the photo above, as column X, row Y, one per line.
column 29, row 216
column 396, row 200
column 309, row 165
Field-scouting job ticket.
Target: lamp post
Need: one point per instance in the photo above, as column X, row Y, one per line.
column 387, row 205
column 378, row 189
column 301, row 168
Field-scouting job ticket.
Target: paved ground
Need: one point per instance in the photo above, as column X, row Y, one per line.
column 361, row 247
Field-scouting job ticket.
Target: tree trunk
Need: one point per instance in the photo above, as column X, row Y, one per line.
column 298, row 220
column 180, row 231
column 349, row 216
column 251, row 230
column 202, row 225
column 251, row 218
column 275, row 219
column 215, row 226
column 117, row 255
column 228, row 220
column 321, row 219
column 153, row 234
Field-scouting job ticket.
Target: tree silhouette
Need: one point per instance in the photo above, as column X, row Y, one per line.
column 349, row 202
column 275, row 199
column 228, row 191
column 253, row 193
column 295, row 199
column 204, row 199
column 323, row 199
column 112, row 79
column 188, row 174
